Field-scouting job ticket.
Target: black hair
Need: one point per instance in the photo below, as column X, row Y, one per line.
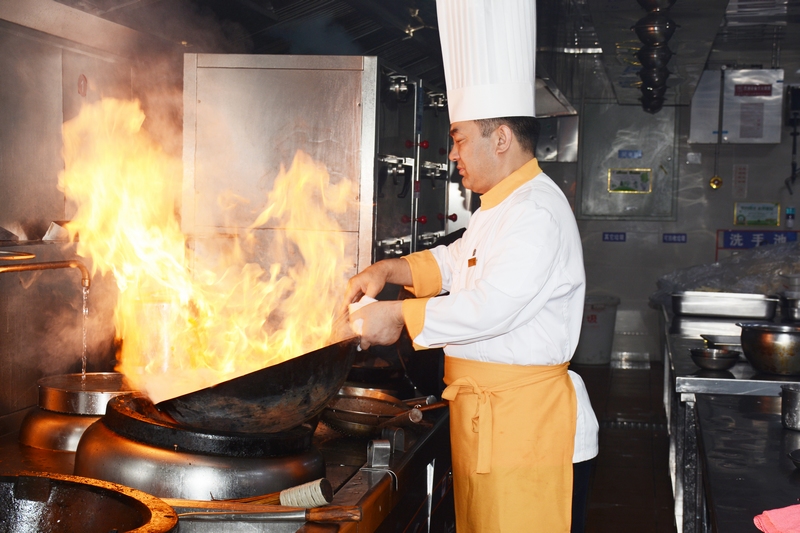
column 526, row 129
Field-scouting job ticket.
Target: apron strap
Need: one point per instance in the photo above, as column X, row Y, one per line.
column 482, row 419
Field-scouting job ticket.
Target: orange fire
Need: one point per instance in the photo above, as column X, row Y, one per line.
column 191, row 314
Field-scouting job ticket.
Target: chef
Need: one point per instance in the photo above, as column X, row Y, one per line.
column 505, row 301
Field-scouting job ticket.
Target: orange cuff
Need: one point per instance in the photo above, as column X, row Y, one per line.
column 414, row 318
column 425, row 274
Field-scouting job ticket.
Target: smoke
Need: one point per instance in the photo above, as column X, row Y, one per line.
column 177, row 27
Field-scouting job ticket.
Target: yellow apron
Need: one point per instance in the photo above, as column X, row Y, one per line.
column 512, row 433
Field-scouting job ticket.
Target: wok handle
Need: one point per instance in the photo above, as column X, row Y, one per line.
column 217, row 510
column 334, row 513
column 431, row 407
column 407, row 418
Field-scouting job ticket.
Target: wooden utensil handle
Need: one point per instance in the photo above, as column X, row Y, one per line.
column 431, row 407
column 334, row 513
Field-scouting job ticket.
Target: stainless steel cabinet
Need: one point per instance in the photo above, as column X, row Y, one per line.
column 246, row 115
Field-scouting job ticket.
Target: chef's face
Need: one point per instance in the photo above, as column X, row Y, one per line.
column 473, row 154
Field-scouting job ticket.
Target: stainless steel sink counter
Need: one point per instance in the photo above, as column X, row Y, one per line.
column 744, row 451
column 683, row 382
column 741, row 379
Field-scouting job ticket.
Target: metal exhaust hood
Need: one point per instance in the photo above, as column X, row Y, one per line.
column 549, row 101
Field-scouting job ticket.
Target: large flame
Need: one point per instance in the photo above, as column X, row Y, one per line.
column 190, row 320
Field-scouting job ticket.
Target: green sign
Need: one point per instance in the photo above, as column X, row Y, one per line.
column 756, row 214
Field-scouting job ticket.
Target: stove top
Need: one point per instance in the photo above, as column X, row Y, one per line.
column 134, row 416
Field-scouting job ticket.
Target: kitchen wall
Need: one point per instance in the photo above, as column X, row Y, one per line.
column 629, row 269
column 50, row 64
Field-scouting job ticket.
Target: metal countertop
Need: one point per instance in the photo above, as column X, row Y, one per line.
column 741, row 379
column 684, row 334
column 746, row 469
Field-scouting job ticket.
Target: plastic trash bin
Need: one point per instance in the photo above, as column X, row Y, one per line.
column 597, row 331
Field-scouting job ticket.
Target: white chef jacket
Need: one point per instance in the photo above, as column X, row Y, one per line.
column 516, row 287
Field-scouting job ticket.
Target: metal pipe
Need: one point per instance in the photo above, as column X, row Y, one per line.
column 85, row 280
column 720, row 115
column 13, row 255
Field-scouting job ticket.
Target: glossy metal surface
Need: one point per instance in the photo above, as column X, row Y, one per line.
column 790, row 406
column 740, row 379
column 68, row 404
column 72, row 263
column 655, row 28
column 692, row 42
column 14, row 255
column 104, row 454
column 325, row 106
column 81, row 394
column 49, row 430
column 790, row 307
column 724, row 304
column 714, row 359
column 772, row 348
column 362, row 412
column 35, row 501
column 745, row 461
column 682, row 383
column 654, row 56
column 605, row 130
column 384, row 494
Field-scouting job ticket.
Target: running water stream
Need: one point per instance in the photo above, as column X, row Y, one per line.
column 84, row 317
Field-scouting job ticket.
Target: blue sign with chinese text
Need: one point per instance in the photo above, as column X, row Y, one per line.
column 753, row 239
column 613, row 236
column 679, row 238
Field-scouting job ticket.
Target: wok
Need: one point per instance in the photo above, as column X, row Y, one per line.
column 270, row 400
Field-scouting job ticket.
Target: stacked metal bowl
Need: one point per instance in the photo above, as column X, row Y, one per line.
column 714, row 358
column 772, row 348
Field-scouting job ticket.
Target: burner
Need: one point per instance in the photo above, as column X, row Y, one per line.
column 68, row 404
column 136, row 445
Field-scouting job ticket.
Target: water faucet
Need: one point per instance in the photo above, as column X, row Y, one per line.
column 85, row 280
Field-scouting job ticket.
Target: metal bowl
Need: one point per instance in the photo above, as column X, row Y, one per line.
column 772, row 348
column 714, row 358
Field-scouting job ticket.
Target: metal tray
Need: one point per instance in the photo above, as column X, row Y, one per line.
column 724, row 304
column 723, row 342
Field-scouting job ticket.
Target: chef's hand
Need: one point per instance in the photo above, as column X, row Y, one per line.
column 368, row 282
column 381, row 323
column 371, row 280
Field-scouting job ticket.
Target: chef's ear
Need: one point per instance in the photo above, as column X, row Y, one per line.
column 504, row 136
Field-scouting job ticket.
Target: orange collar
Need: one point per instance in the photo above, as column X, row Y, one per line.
column 510, row 183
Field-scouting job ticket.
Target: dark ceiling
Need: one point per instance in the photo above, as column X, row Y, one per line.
column 403, row 33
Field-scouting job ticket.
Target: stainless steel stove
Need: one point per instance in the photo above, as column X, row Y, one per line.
column 392, row 480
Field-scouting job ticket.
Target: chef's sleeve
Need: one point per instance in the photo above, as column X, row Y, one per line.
column 427, row 275
column 426, row 279
column 516, row 280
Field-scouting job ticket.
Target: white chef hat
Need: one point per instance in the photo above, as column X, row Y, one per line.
column 489, row 51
